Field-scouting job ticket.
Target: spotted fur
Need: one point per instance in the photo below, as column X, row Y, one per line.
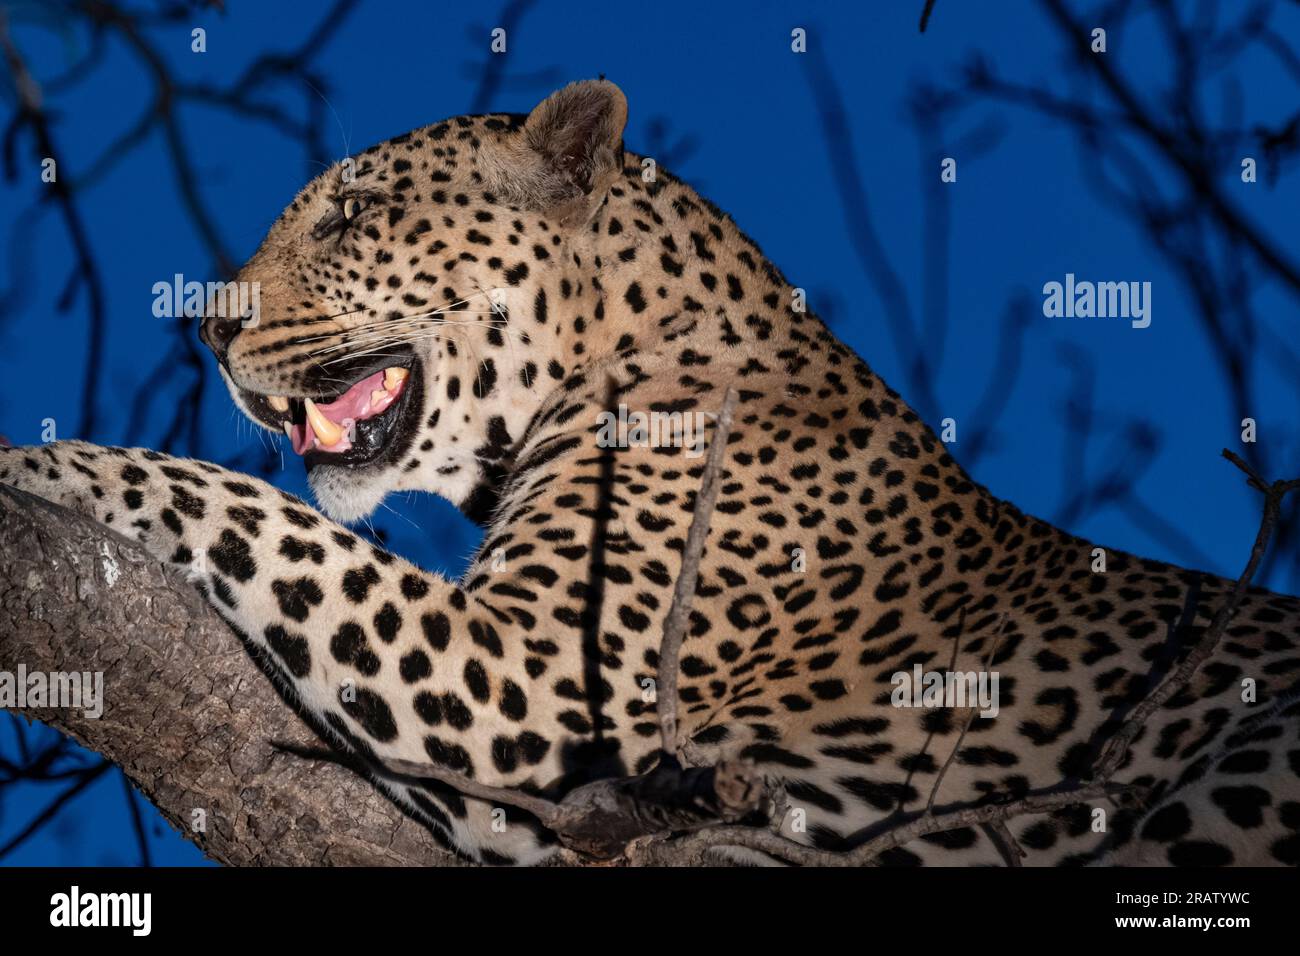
column 556, row 282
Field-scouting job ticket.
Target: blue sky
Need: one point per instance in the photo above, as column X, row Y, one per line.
column 716, row 94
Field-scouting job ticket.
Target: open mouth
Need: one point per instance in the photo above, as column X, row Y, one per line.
column 352, row 428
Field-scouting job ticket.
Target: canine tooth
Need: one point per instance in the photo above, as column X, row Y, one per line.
column 288, row 430
column 377, row 396
column 279, row 403
column 328, row 433
column 394, row 375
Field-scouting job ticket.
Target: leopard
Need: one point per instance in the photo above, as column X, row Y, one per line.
column 459, row 310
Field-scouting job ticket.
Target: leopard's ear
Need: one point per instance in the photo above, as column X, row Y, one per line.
column 570, row 151
column 579, row 131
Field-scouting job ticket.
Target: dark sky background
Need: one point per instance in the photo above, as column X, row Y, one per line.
column 819, row 156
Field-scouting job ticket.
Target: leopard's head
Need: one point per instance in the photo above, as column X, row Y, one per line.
column 401, row 328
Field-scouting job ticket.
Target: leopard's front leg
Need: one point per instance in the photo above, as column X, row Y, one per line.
column 392, row 658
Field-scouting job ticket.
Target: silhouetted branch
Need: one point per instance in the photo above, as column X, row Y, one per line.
column 247, row 96
column 1198, row 178
column 492, row 70
column 1127, row 142
column 32, row 117
column 867, row 244
column 1117, row 748
column 925, row 14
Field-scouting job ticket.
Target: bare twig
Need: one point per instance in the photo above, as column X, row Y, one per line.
column 1000, row 835
column 679, row 611
column 161, row 112
column 685, row 849
column 970, row 717
column 1118, row 746
column 544, row 810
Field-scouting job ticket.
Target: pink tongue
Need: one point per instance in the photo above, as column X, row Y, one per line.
column 352, row 406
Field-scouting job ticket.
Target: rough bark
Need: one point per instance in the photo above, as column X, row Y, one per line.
column 187, row 713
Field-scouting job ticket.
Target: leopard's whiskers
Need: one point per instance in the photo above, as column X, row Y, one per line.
column 386, row 323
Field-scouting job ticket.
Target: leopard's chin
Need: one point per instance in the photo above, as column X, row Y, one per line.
column 348, row 494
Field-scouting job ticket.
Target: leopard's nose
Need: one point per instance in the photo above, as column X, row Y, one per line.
column 217, row 333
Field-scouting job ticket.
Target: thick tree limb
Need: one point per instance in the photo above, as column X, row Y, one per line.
column 187, row 713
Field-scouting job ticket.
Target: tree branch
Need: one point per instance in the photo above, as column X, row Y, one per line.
column 187, row 713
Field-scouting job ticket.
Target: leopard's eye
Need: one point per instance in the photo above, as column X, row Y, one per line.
column 352, row 207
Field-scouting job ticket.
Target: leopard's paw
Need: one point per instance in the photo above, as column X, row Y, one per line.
column 49, row 472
